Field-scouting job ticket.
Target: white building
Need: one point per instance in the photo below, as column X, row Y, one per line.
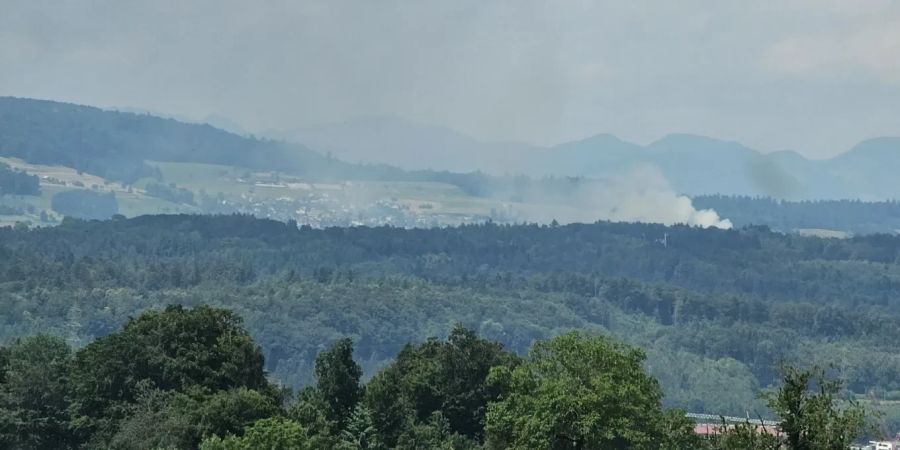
column 877, row 445
column 882, row 445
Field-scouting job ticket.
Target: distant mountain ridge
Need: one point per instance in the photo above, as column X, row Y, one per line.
column 406, row 144
column 698, row 165
column 115, row 145
column 694, row 165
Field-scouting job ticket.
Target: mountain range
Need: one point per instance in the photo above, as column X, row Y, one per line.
column 116, row 145
column 694, row 165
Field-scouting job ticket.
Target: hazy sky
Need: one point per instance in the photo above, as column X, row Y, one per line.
column 816, row 76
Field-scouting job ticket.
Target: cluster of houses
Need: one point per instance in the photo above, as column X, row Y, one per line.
column 710, row 430
column 878, row 445
column 712, row 425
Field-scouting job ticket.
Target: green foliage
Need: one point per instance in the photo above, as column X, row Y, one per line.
column 229, row 412
column 698, row 384
column 715, row 310
column 389, row 407
column 811, row 418
column 187, row 388
column 745, row 436
column 310, row 412
column 268, row 434
column 33, row 400
column 176, row 349
column 168, row 419
column 360, row 432
column 678, row 432
column 157, row 420
column 435, row 433
column 580, row 392
column 447, row 377
column 337, row 381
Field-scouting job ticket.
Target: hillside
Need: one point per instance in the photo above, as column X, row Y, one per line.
column 142, row 164
column 841, row 217
column 160, row 165
column 117, row 145
column 153, row 165
column 715, row 310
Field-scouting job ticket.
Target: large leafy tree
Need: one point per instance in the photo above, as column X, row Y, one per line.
column 33, row 403
column 580, row 392
column 176, row 349
column 812, row 418
column 449, row 377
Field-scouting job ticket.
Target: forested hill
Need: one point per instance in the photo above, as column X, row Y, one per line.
column 752, row 260
column 851, row 216
column 115, row 146
column 716, row 310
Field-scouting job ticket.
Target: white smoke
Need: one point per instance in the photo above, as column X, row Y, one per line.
column 643, row 195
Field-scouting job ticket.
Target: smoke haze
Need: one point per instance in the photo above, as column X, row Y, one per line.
column 643, row 195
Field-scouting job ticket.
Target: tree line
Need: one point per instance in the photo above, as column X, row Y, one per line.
column 17, row 182
column 715, row 311
column 181, row 378
column 854, row 216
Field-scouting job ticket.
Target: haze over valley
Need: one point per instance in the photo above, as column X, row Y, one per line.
column 150, row 165
column 694, row 164
column 466, row 225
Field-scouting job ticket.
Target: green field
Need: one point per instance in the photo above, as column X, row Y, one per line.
column 55, row 179
column 243, row 189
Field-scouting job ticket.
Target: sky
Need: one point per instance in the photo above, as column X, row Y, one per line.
column 814, row 76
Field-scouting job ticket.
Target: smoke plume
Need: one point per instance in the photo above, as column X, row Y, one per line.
column 643, row 195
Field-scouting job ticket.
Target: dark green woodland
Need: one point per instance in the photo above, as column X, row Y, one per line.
column 716, row 313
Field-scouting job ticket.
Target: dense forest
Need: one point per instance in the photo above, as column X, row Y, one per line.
column 853, row 216
column 182, row 378
column 716, row 311
column 16, row 182
column 170, row 193
column 85, row 204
